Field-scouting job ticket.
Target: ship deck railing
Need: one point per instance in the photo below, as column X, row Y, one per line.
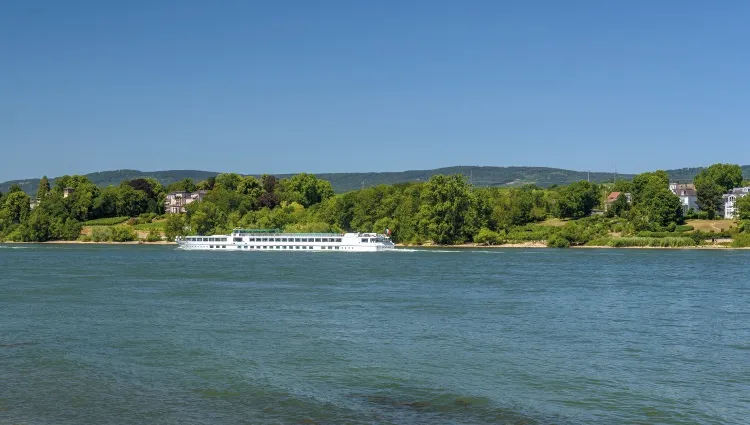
column 285, row 234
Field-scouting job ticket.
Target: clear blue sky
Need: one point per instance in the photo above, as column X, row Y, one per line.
column 355, row 85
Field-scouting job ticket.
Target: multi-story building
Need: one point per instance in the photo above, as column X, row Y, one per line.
column 730, row 198
column 687, row 194
column 176, row 201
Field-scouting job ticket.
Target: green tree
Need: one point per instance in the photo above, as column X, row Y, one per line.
column 37, row 229
column 186, row 185
column 486, row 236
column 105, row 205
column 712, row 182
column 577, row 200
column 204, row 217
column 174, row 226
column 742, row 206
column 646, row 183
column 17, row 204
column 619, row 207
column 131, row 202
column 14, row 188
column 446, row 201
column 658, row 211
column 727, row 176
column 207, row 184
column 709, row 197
column 43, row 189
column 250, row 186
column 305, row 189
column 228, row 181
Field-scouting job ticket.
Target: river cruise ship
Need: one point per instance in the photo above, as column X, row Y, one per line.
column 274, row 240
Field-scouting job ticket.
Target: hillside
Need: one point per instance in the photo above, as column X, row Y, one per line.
column 343, row 182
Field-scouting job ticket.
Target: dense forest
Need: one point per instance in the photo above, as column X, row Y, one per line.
column 446, row 209
column 346, row 182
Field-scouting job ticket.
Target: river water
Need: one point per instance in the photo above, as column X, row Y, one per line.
column 155, row 335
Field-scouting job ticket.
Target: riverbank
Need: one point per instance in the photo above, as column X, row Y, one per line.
column 426, row 246
column 544, row 245
column 94, row 243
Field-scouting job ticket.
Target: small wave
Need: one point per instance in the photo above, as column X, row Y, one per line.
column 13, row 247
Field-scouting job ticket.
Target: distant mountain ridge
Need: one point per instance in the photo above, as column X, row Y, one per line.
column 344, row 182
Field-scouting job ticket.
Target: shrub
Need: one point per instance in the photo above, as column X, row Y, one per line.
column 101, row 234
column 557, row 241
column 669, row 242
column 603, row 241
column 123, row 234
column 153, row 236
column 85, row 238
column 741, row 240
column 108, row 221
column 683, row 228
column 488, row 237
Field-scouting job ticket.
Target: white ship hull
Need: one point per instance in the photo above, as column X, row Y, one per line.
column 246, row 240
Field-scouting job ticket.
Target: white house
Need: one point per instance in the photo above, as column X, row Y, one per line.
column 687, row 194
column 176, row 201
column 729, row 199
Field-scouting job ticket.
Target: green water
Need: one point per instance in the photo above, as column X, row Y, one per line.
column 154, row 335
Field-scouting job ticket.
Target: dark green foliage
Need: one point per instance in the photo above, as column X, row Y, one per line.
column 305, row 189
column 123, row 234
column 174, row 226
column 709, row 197
column 741, row 240
column 185, row 185
column 44, row 188
column 743, row 207
column 16, row 204
column 726, row 176
column 619, row 207
column 444, row 211
column 143, row 185
column 153, row 236
column 486, row 236
column 655, row 206
column 714, row 181
column 577, row 200
column 557, row 241
column 131, row 202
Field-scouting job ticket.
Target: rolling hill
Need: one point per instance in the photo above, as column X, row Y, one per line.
column 343, row 182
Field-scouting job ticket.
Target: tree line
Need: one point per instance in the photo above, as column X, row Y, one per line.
column 447, row 209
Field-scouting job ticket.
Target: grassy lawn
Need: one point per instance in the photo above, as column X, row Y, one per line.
column 554, row 222
column 709, row 225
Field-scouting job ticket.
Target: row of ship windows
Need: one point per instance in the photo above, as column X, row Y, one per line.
column 272, row 247
column 289, row 240
column 207, row 239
